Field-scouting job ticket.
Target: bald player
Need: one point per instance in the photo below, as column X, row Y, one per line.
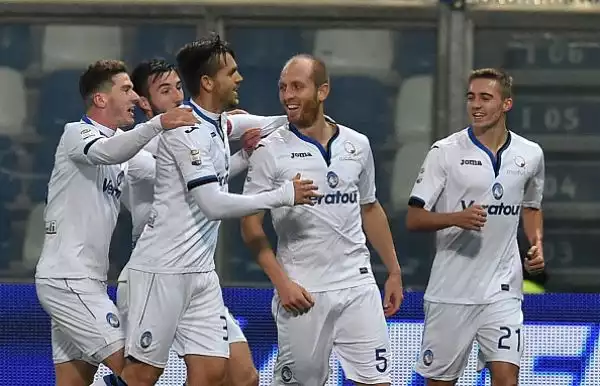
column 322, row 262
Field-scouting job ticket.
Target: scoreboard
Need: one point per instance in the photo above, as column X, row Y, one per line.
column 556, row 76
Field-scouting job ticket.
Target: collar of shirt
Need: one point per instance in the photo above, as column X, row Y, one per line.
column 103, row 129
column 213, row 118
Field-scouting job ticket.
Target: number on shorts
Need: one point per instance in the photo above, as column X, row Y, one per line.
column 507, row 335
column 382, row 366
column 224, row 319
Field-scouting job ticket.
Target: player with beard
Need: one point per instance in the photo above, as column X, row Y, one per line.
column 481, row 181
column 323, row 263
column 174, row 294
column 159, row 86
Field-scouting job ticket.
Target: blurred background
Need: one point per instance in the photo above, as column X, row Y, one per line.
column 398, row 71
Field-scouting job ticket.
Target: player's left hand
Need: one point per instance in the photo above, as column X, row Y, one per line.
column 392, row 294
column 534, row 262
column 250, row 139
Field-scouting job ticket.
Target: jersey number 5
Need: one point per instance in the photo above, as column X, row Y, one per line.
column 507, row 334
column 383, row 363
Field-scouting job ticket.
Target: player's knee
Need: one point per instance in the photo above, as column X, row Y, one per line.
column 206, row 375
column 250, row 379
column 74, row 373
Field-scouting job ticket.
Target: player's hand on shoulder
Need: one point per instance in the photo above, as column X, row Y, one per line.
column 472, row 218
column 178, row 117
column 534, row 261
column 294, row 298
column 250, row 139
column 305, row 191
column 393, row 294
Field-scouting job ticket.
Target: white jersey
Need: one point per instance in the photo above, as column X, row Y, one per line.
column 139, row 192
column 478, row 267
column 80, row 192
column 178, row 237
column 321, row 247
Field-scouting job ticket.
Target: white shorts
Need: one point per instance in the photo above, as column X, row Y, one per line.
column 85, row 323
column 451, row 329
column 183, row 311
column 234, row 330
column 349, row 321
column 236, row 334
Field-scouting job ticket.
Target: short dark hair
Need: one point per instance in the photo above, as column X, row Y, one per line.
column 97, row 76
column 149, row 70
column 505, row 80
column 201, row 58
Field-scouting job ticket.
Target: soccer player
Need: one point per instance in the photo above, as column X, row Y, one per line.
column 174, row 293
column 480, row 180
column 81, row 212
column 159, row 86
column 323, row 263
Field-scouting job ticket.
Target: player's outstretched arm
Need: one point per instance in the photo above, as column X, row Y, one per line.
column 192, row 149
column 217, row 204
column 293, row 297
column 98, row 150
column 238, row 124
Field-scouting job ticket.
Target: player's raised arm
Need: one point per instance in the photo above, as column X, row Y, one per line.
column 238, row 124
column 294, row 298
column 98, row 150
column 377, row 230
column 430, row 182
column 533, row 217
column 193, row 156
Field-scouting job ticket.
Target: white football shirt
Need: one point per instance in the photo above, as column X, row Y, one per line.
column 478, row 267
column 139, row 192
column 178, row 237
column 321, row 247
column 82, row 207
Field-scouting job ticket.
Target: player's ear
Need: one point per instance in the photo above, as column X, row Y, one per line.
column 100, row 100
column 207, row 83
column 507, row 104
column 323, row 92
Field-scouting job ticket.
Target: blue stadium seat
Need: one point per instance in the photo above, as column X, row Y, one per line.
column 8, row 158
column 364, row 104
column 10, row 186
column 60, row 103
column 251, row 47
column 161, row 41
column 37, row 188
column 15, row 45
column 259, row 92
column 416, row 52
column 43, row 157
